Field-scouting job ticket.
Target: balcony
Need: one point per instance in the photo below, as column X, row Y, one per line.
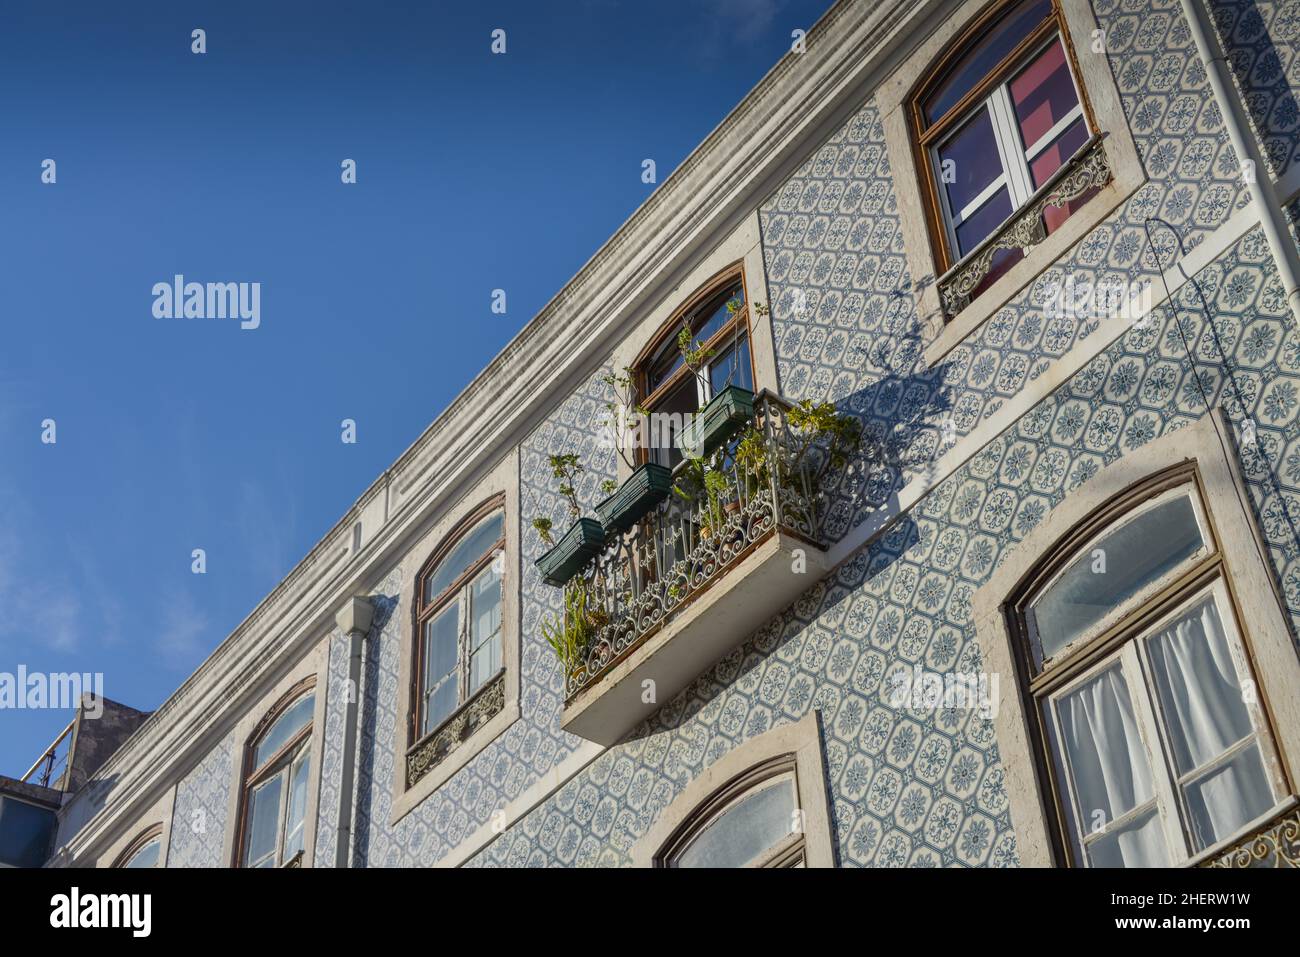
column 1273, row 843
column 732, row 545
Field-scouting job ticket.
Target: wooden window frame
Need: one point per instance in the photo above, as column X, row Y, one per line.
column 786, row 852
column 1118, row 637
column 669, row 330
column 926, row 137
column 422, row 611
column 250, row 776
column 153, row 832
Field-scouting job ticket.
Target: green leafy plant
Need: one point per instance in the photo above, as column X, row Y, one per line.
column 566, row 470
column 816, row 425
column 572, row 632
column 543, row 526
column 620, row 410
column 693, row 352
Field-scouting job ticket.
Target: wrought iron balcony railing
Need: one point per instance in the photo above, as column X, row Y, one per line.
column 763, row 482
column 1275, row 844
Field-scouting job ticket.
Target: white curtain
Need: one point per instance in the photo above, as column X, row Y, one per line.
column 1201, row 697
column 1110, row 769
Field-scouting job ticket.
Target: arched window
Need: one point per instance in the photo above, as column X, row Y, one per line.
column 458, row 620
column 998, row 117
column 751, row 822
column 277, row 764
column 1156, row 743
column 718, row 319
column 144, row 851
column 762, row 805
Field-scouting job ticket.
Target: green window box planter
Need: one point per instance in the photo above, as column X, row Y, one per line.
column 724, row 414
column 645, row 488
column 568, row 556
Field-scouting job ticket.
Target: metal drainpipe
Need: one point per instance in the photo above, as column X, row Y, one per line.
column 354, row 620
column 1262, row 195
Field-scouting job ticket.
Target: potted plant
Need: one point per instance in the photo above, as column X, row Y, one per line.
column 722, row 415
column 649, row 483
column 571, row 634
column 705, row 484
column 581, row 542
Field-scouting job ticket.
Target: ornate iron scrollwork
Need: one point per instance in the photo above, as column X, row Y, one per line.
column 1088, row 170
column 1276, row 845
column 485, row 705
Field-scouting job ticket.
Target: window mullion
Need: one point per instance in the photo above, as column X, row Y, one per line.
column 1167, row 804
column 949, row 217
column 282, row 830
column 1010, row 149
column 462, row 662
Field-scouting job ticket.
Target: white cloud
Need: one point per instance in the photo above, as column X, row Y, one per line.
column 182, row 629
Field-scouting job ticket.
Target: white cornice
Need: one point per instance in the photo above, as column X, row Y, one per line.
column 741, row 162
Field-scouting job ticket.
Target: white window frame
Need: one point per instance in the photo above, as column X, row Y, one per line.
column 800, row 743
column 1014, row 156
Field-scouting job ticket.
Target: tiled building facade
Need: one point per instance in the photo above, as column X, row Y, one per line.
column 988, row 436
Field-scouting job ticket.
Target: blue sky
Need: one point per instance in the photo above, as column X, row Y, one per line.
column 475, row 172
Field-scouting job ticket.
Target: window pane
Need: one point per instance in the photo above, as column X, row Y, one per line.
column 295, row 718
column 439, row 703
column 485, row 628
column 1126, row 560
column 1228, row 796
column 441, row 641
column 1107, row 761
column 295, row 823
column 983, row 222
column 147, row 856
column 744, row 830
column 466, row 552
column 1138, row 843
column 264, row 823
column 709, row 320
column 669, row 416
column 971, row 160
column 705, row 323
column 1053, row 157
column 1198, row 686
column 731, row 367
column 985, row 55
column 1043, row 93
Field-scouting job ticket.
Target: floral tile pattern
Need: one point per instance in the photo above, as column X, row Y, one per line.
column 199, row 814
